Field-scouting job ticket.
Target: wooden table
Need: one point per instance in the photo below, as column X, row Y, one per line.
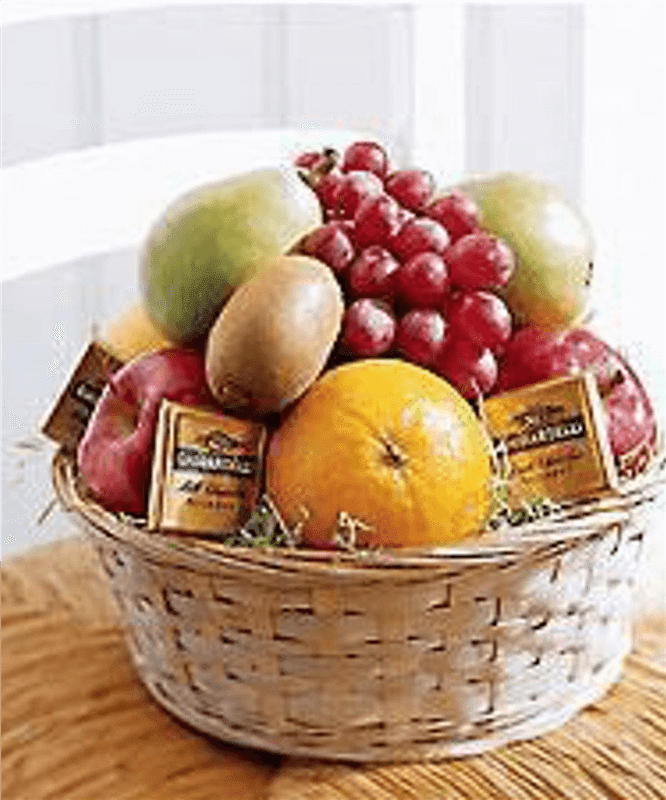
column 78, row 725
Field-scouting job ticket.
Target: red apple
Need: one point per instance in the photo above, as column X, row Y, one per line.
column 536, row 354
column 116, row 451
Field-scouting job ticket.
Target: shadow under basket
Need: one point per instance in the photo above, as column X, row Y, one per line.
column 396, row 656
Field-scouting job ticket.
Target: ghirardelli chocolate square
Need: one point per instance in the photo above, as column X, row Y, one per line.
column 206, row 470
column 555, row 438
column 69, row 418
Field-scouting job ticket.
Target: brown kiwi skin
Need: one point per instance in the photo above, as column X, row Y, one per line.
column 274, row 336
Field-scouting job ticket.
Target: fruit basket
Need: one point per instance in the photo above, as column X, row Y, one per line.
column 378, row 656
column 363, row 486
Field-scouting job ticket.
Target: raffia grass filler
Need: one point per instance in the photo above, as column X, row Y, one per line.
column 378, row 656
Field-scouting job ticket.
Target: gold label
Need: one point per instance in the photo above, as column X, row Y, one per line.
column 554, row 435
column 206, row 470
column 71, row 413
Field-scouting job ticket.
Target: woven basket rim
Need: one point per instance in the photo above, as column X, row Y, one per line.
column 576, row 522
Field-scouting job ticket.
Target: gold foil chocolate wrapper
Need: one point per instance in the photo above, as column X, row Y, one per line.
column 207, row 470
column 71, row 413
column 554, row 436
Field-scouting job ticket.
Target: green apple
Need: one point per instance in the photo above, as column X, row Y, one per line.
column 215, row 238
column 552, row 241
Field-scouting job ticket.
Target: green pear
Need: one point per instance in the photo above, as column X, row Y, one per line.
column 215, row 238
column 552, row 241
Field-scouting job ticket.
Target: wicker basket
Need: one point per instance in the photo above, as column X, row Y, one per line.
column 403, row 656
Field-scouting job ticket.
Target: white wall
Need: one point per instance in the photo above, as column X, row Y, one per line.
column 177, row 70
column 73, row 82
column 524, row 90
column 49, row 96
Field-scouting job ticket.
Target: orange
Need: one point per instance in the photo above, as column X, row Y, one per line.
column 389, row 445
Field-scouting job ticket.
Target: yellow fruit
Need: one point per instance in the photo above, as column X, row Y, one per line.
column 386, row 443
column 133, row 334
column 274, row 335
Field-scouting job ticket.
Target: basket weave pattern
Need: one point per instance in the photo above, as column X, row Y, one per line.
column 394, row 660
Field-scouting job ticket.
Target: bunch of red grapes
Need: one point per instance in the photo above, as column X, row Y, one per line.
column 418, row 273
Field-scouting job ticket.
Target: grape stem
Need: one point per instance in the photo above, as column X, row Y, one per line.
column 311, row 177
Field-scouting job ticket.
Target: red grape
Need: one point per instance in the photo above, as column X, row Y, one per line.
column 354, row 188
column 347, row 227
column 372, row 273
column 533, row 354
column 421, row 335
column 422, row 281
column 419, row 235
column 472, row 370
column 366, row 156
column 458, row 213
column 451, row 298
column 368, row 329
column 327, row 189
column 376, row 220
column 329, row 244
column 480, row 261
column 481, row 317
column 309, row 160
column 412, row 188
column 405, row 216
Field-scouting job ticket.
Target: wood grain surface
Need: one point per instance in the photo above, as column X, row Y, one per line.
column 77, row 724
